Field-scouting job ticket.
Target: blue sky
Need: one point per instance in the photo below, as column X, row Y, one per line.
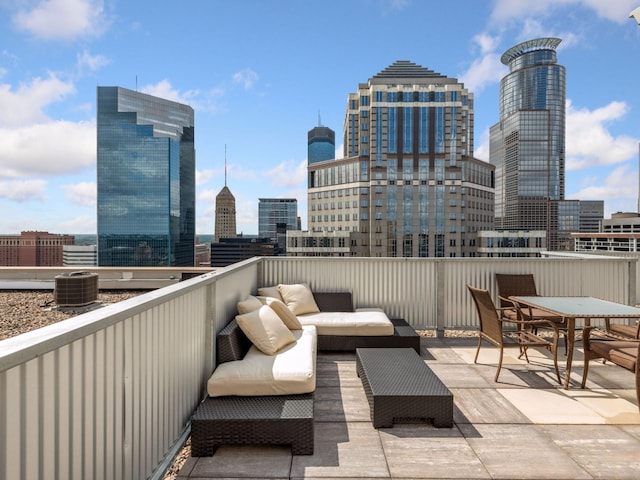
column 260, row 73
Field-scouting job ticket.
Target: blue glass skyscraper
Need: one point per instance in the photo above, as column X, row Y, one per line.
column 146, row 180
column 528, row 143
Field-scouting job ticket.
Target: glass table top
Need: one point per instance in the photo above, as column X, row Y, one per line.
column 579, row 306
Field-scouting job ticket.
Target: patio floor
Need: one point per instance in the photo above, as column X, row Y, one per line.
column 525, row 426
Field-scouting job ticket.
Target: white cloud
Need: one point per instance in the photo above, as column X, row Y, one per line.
column 207, row 196
column 26, row 104
column 93, row 63
column 164, row 89
column 484, row 71
column 84, row 193
column 203, row 176
column 247, row 78
column 588, row 141
column 47, row 148
column 62, row 19
column 482, row 151
column 84, row 224
column 619, row 189
column 486, row 68
column 22, row 190
column 288, row 174
column 340, row 151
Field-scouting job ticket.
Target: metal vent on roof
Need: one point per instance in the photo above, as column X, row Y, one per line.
column 76, row 289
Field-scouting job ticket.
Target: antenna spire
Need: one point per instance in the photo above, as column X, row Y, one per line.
column 319, row 120
column 225, row 164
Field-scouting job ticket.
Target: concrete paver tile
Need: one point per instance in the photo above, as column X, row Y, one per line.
column 245, row 462
column 482, row 405
column 520, row 451
column 422, row 451
column 343, row 450
column 610, row 452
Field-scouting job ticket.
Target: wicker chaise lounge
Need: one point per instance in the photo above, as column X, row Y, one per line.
column 250, row 420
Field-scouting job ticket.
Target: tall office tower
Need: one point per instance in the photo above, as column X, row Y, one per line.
column 146, row 180
column 408, row 185
column 225, row 215
column 274, row 211
column 225, row 226
column 321, row 144
column 527, row 145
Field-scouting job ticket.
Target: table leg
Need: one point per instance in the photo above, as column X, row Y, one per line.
column 570, row 339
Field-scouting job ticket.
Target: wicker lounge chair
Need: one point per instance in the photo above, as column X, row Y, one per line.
column 624, row 353
column 492, row 329
column 524, row 285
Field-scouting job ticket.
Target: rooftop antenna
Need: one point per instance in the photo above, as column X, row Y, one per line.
column 136, row 83
column 225, row 164
column 319, row 120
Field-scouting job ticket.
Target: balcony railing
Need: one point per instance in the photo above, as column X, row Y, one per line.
column 109, row 394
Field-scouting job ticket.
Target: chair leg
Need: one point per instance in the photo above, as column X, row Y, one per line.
column 554, row 351
column 638, row 390
column 499, row 363
column 475, row 360
column 586, row 369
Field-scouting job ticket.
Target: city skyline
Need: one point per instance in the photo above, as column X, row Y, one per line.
column 259, row 81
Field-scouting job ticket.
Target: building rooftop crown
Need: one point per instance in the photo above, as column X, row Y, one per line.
column 406, row 69
column 546, row 43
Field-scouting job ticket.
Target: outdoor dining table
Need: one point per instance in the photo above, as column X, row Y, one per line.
column 573, row 308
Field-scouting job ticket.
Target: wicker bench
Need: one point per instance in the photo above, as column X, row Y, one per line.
column 399, row 385
column 266, row 420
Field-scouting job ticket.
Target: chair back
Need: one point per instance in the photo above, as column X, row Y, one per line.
column 515, row 284
column 490, row 324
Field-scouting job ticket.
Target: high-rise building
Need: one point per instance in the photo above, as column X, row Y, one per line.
column 274, row 211
column 527, row 147
column 225, row 223
column 408, row 185
column 321, row 144
column 225, row 226
column 146, row 180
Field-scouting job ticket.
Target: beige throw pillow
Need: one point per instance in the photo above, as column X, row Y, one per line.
column 298, row 298
column 270, row 292
column 286, row 315
column 249, row 304
column 265, row 330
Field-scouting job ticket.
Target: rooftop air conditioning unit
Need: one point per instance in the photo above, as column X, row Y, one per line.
column 76, row 289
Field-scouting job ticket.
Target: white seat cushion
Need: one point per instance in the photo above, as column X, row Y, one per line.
column 291, row 371
column 362, row 323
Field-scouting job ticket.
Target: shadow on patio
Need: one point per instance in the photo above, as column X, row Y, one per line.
column 525, row 426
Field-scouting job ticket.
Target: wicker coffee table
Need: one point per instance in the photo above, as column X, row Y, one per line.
column 267, row 420
column 400, row 386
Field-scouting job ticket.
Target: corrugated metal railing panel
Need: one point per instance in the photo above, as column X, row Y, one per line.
column 110, row 404
column 431, row 293
column 404, row 287
column 107, row 394
column 604, row 278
